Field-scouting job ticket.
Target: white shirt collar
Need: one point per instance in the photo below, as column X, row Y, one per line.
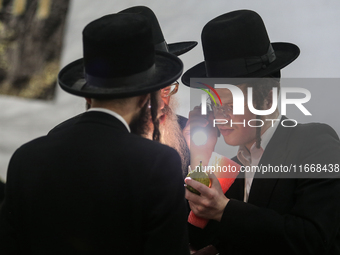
column 253, row 157
column 114, row 114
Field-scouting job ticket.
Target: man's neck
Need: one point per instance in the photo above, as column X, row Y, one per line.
column 127, row 111
column 113, row 113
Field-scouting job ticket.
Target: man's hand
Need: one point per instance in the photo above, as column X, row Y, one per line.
column 195, row 120
column 200, row 152
column 211, row 203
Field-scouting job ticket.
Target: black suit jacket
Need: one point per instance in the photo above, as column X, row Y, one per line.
column 283, row 216
column 94, row 188
column 182, row 121
column 2, row 192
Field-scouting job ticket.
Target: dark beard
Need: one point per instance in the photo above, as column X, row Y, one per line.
column 139, row 124
column 171, row 135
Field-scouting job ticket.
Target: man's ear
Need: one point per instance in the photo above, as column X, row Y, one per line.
column 88, row 100
column 143, row 99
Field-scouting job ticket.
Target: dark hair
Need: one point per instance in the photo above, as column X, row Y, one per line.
column 154, row 112
column 87, row 106
column 261, row 88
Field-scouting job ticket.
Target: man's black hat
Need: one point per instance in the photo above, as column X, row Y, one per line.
column 158, row 38
column 119, row 60
column 236, row 45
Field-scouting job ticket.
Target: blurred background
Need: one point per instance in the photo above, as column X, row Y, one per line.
column 56, row 28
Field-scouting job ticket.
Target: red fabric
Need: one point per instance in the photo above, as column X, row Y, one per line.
column 226, row 179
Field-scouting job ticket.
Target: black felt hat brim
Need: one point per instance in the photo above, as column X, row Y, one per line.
column 285, row 54
column 168, row 68
column 181, row 47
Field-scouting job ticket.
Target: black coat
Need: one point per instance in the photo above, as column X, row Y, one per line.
column 283, row 216
column 2, row 191
column 182, row 121
column 94, row 188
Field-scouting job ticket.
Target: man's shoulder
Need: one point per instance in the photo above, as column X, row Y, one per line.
column 65, row 124
column 291, row 129
column 145, row 145
column 313, row 130
column 153, row 157
column 29, row 149
column 305, row 141
column 315, row 127
column 297, row 138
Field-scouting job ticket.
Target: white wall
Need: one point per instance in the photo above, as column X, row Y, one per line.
column 311, row 24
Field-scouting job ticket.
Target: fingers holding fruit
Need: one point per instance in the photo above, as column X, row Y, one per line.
column 198, row 174
column 210, row 202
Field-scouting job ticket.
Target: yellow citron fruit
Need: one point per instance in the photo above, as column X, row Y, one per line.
column 198, row 175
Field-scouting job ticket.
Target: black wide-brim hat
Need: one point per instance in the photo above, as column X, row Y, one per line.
column 120, row 60
column 236, row 46
column 177, row 49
